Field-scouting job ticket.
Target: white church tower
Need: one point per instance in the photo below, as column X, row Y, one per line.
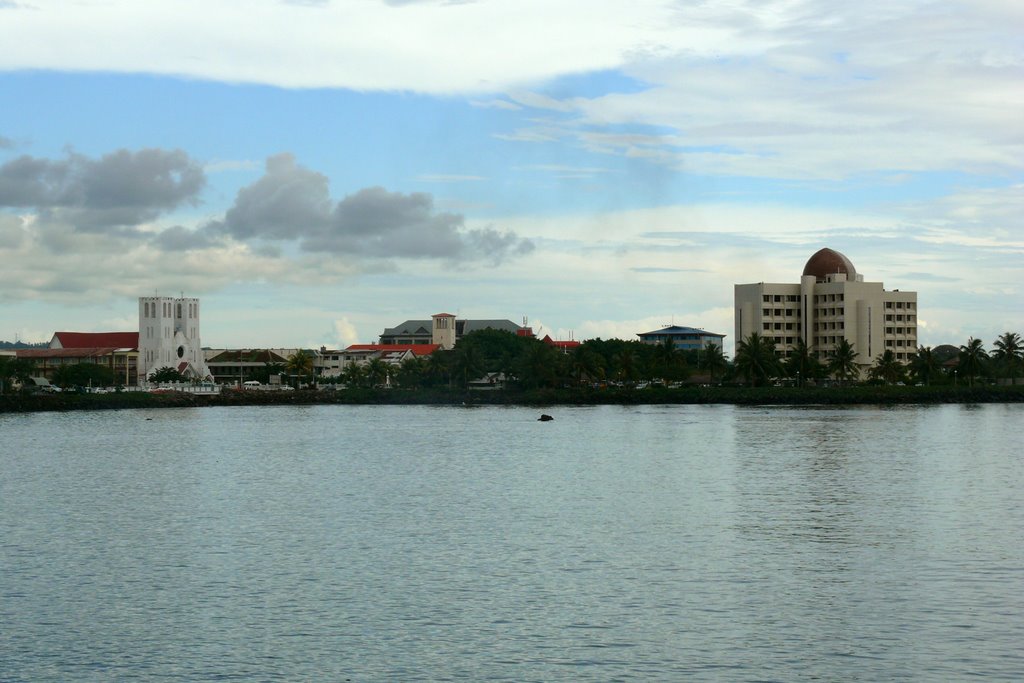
column 169, row 337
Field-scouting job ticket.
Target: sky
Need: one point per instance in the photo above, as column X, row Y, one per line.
column 317, row 170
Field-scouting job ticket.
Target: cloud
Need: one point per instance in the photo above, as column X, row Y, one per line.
column 120, row 189
column 345, row 333
column 12, row 232
column 178, row 238
column 6, row 143
column 291, row 202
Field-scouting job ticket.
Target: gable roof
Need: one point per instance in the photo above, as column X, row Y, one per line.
column 414, row 327
column 246, row 356
column 86, row 340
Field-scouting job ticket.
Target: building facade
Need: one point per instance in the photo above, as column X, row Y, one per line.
column 444, row 329
column 683, row 338
column 832, row 302
column 169, row 337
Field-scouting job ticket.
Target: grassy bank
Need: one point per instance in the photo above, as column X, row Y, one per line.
column 857, row 395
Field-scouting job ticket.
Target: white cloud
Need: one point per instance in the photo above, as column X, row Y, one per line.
column 345, row 332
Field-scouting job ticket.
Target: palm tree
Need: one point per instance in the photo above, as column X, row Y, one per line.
column 757, row 359
column 586, row 365
column 801, row 364
column 712, row 360
column 467, row 363
column 301, row 363
column 1009, row 353
column 439, row 367
column 667, row 358
column 377, row 372
column 972, row 359
column 842, row 362
column 888, row 369
column 411, row 372
column 924, row 364
column 625, row 365
column 354, row 374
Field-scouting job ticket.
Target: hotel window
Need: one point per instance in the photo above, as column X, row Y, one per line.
column 888, row 304
column 766, row 298
column 778, row 326
column 766, row 312
column 777, row 311
column 767, row 326
column 778, row 297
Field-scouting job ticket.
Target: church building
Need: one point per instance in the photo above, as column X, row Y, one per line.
column 169, row 337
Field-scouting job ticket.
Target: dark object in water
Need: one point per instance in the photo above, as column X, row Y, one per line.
column 545, row 418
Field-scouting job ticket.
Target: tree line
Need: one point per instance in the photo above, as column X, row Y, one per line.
column 529, row 363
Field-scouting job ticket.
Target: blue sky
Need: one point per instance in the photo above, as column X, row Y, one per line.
column 315, row 171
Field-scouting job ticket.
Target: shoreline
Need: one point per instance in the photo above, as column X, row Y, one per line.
column 856, row 395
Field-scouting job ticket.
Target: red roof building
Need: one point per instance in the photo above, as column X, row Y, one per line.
column 94, row 340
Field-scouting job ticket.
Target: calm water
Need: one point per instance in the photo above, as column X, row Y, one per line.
column 413, row 543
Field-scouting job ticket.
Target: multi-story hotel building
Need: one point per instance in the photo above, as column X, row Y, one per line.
column 831, row 302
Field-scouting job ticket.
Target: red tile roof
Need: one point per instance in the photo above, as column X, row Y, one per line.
column 569, row 344
column 88, row 352
column 417, row 349
column 84, row 340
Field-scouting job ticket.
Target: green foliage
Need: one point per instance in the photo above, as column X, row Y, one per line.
column 972, row 359
column 802, row 365
column 83, row 375
column 924, row 365
column 887, row 369
column 165, row 374
column 712, row 360
column 842, row 361
column 757, row 360
column 1009, row 354
column 301, row 365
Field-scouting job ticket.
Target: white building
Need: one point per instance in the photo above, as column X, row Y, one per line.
column 831, row 302
column 169, row 337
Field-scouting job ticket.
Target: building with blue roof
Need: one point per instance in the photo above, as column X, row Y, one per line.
column 683, row 338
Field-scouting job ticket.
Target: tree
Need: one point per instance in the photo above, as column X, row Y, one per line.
column 1009, row 353
column 439, row 371
column 625, row 365
column 666, row 359
column 165, row 374
column 378, row 372
column 354, row 375
column 842, row 361
column 538, row 366
column 888, row 369
column 757, row 360
column 82, row 374
column 924, row 365
column 411, row 372
column 972, row 359
column 6, row 371
column 467, row 363
column 586, row 365
column 713, row 360
column 300, row 364
column 801, row 364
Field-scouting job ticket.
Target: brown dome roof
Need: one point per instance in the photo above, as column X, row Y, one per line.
column 827, row 262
